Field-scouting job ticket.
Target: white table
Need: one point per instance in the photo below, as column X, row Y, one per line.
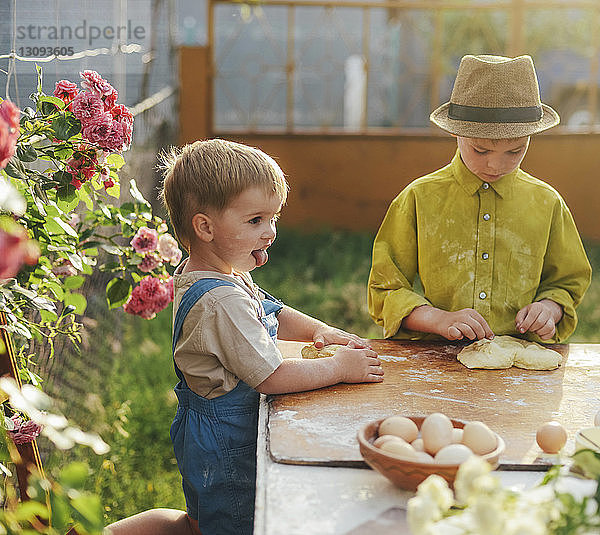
column 316, row 500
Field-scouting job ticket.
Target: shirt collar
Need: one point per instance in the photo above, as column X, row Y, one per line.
column 471, row 183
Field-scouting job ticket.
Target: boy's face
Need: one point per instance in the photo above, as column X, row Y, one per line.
column 244, row 230
column 491, row 159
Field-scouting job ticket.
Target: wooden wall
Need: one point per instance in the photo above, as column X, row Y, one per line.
column 348, row 181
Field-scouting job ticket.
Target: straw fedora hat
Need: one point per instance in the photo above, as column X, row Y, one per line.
column 495, row 98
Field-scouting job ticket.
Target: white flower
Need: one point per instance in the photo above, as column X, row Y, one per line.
column 422, row 512
column 10, row 199
column 436, row 489
column 469, row 472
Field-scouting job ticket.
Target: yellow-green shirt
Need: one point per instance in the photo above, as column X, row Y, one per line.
column 492, row 247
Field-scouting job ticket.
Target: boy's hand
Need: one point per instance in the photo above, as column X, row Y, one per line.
column 358, row 365
column 465, row 323
column 540, row 318
column 325, row 335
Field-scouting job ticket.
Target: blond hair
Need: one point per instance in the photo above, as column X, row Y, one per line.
column 208, row 175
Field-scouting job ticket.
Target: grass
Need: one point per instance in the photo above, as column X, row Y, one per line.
column 132, row 406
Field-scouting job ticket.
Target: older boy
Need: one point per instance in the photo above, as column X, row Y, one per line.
column 496, row 250
column 224, row 199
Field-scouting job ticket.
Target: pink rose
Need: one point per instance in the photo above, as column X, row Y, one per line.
column 169, row 249
column 9, row 131
column 149, row 297
column 23, row 432
column 92, row 81
column 145, row 240
column 123, row 116
column 16, row 249
column 66, row 90
column 149, row 262
column 98, row 128
column 87, row 107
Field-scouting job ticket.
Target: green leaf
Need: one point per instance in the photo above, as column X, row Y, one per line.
column 112, row 249
column 74, row 475
column 84, row 196
column 56, row 289
column 62, row 152
column 26, row 153
column 49, row 105
column 136, row 194
column 15, row 169
column 76, row 300
column 67, row 205
column 74, row 282
column 65, row 126
column 588, row 462
column 114, row 191
column 68, row 229
column 67, row 193
column 48, row 317
column 75, row 259
column 28, row 510
column 90, row 513
column 117, row 292
column 59, row 507
column 115, row 160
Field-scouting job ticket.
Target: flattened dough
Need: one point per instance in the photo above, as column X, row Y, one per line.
column 311, row 352
column 505, row 351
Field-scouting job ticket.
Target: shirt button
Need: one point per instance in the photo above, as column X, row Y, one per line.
column 482, row 295
column 485, row 185
column 486, row 217
column 485, row 256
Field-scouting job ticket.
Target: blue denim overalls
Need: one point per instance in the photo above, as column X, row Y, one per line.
column 215, row 439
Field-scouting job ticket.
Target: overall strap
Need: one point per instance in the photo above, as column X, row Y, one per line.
column 189, row 299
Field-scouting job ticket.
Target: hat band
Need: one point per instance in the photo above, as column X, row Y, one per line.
column 526, row 114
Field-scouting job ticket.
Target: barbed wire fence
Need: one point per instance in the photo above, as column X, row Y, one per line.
column 74, row 377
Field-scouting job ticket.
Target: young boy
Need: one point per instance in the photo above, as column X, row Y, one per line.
column 224, row 199
column 496, row 250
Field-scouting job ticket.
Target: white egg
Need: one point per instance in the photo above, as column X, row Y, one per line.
column 382, row 439
column 436, row 432
column 479, row 438
column 457, row 435
column 453, row 454
column 597, row 419
column 400, row 449
column 423, row 457
column 399, row 426
column 417, row 443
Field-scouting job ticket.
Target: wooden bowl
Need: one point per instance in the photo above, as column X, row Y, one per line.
column 409, row 474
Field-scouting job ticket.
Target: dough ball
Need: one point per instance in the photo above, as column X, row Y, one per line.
column 488, row 354
column 436, row 432
column 505, row 351
column 311, row 352
column 551, row 437
column 535, row 357
column 399, row 426
column 479, row 438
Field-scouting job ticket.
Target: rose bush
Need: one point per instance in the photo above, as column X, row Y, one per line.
column 61, row 220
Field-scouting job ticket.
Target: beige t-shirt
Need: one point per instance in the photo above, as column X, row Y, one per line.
column 222, row 339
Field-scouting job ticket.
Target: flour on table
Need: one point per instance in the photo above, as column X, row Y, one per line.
column 505, row 351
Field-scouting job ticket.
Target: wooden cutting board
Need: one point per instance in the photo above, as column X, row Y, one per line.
column 319, row 427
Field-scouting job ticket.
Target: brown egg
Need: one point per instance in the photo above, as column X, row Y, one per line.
column 382, row 439
column 551, row 437
column 436, row 432
column 399, row 426
column 479, row 438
